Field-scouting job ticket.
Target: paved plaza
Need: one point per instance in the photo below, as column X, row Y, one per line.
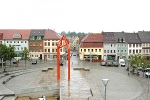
column 120, row 87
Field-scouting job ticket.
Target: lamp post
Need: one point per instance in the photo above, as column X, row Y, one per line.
column 105, row 81
column 2, row 56
column 148, row 78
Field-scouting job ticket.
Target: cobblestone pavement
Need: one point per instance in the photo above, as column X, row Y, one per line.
column 120, row 87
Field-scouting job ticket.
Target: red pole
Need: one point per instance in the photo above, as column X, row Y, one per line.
column 68, row 64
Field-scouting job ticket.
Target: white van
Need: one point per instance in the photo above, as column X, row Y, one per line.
column 122, row 62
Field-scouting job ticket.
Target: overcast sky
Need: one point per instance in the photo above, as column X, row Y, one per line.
column 76, row 15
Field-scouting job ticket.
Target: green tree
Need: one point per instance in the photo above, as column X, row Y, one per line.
column 135, row 61
column 3, row 51
column 25, row 55
column 11, row 53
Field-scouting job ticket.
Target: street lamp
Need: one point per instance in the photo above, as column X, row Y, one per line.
column 148, row 78
column 2, row 56
column 105, row 81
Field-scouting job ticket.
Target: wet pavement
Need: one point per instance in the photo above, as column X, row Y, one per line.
column 120, row 87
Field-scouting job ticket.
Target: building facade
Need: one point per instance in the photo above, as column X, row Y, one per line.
column 91, row 47
column 36, row 44
column 18, row 39
column 110, row 46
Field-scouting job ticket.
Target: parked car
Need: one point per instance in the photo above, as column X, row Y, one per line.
column 115, row 64
column 122, row 62
column 15, row 61
column 34, row 61
column 61, row 62
column 147, row 74
column 103, row 63
column 146, row 70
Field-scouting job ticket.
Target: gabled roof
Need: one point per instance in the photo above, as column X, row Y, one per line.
column 93, row 37
column 132, row 38
column 92, row 40
column 51, row 35
column 37, row 32
column 80, row 38
column 25, row 33
column 109, row 37
column 144, row 36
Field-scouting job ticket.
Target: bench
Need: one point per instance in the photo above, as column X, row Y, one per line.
column 86, row 69
column 50, row 68
column 45, row 69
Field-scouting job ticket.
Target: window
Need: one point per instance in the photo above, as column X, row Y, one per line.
column 111, row 45
column 30, row 49
column 118, row 51
column 14, row 41
column 10, row 41
column 107, row 51
column 21, row 41
column 136, row 51
column 40, row 49
column 110, row 51
column 88, row 50
column 136, row 45
column 7, row 41
column 133, row 45
column 40, row 43
column 30, row 43
column 45, row 44
column 21, row 48
column 25, row 42
column 36, row 44
column 48, row 50
column 129, row 51
column 52, row 50
column 104, row 51
column 84, row 50
column 48, row 43
column 99, row 50
column 18, row 41
column 133, row 51
column 114, row 51
column 52, row 43
column 45, row 50
column 121, row 50
column 91, row 50
column 139, row 51
column 36, row 50
column 18, row 48
column 81, row 50
column 95, row 50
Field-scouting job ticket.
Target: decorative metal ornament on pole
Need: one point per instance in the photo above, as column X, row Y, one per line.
column 105, row 82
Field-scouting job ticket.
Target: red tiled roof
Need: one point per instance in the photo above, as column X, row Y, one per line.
column 50, row 34
column 93, row 37
column 24, row 32
column 92, row 40
column 90, row 45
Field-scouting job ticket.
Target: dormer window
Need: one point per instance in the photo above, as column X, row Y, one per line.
column 123, row 39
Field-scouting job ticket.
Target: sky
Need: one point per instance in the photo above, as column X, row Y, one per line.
column 76, row 15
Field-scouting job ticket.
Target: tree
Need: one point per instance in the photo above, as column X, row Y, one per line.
column 135, row 61
column 10, row 53
column 25, row 55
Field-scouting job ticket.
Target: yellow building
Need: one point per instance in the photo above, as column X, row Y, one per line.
column 75, row 44
column 91, row 46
